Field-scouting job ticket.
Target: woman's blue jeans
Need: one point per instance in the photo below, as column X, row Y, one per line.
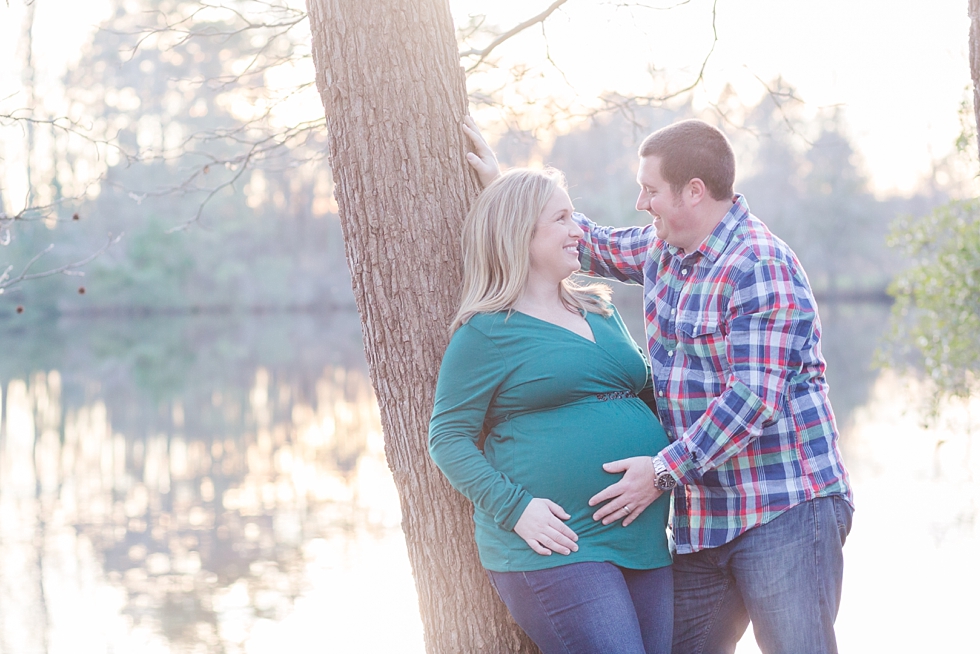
column 591, row 608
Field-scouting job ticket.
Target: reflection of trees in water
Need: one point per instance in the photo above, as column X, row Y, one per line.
column 23, row 509
column 202, row 516
column 852, row 332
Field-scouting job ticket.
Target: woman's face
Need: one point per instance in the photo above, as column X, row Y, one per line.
column 554, row 244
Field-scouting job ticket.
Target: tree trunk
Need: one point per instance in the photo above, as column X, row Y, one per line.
column 973, row 9
column 394, row 95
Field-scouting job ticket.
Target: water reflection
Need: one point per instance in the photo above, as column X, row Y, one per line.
column 192, row 529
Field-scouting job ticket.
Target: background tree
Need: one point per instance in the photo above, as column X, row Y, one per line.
column 189, row 123
column 973, row 9
column 41, row 197
column 936, row 316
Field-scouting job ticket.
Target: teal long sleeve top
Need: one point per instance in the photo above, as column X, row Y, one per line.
column 553, row 407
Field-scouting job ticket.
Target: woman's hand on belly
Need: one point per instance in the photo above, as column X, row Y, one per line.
column 542, row 527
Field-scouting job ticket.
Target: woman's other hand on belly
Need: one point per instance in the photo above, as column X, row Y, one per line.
column 543, row 528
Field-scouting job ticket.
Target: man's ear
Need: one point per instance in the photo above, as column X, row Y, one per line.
column 695, row 191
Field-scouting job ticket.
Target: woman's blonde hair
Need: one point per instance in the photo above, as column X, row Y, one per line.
column 497, row 244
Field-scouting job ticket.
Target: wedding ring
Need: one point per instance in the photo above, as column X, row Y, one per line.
column 627, row 509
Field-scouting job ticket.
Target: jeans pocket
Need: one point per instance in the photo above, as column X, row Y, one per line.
column 844, row 515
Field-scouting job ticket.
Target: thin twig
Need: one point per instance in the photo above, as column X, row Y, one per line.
column 547, row 55
column 485, row 52
column 68, row 269
column 645, row 6
column 779, row 97
column 615, row 103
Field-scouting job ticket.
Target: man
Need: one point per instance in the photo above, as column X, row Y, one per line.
column 762, row 504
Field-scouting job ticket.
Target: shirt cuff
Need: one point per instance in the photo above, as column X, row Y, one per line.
column 681, row 463
column 510, row 521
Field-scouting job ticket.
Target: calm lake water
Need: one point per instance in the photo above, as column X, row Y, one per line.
column 218, row 484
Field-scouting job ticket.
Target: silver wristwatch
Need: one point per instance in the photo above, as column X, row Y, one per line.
column 664, row 480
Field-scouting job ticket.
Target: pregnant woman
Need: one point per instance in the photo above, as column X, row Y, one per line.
column 538, row 388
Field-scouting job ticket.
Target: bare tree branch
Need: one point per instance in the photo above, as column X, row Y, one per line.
column 68, row 269
column 779, row 98
column 485, row 52
column 555, row 110
column 293, row 17
column 720, row 111
column 547, row 55
column 258, row 138
column 641, row 5
column 62, row 124
column 651, row 100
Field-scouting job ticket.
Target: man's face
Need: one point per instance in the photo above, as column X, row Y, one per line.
column 671, row 217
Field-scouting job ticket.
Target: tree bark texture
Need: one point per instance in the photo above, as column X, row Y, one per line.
column 394, row 95
column 974, row 10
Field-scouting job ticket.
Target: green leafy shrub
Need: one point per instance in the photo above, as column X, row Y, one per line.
column 936, row 316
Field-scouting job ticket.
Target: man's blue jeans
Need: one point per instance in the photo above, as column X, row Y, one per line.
column 591, row 608
column 785, row 576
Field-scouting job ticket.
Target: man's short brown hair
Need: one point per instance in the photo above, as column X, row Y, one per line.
column 693, row 148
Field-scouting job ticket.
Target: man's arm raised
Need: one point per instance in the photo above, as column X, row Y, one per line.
column 604, row 251
column 619, row 253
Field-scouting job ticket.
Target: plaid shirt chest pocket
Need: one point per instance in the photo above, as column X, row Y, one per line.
column 701, row 338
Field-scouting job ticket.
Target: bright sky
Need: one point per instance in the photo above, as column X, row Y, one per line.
column 899, row 68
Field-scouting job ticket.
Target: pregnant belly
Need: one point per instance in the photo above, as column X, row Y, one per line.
column 558, row 454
